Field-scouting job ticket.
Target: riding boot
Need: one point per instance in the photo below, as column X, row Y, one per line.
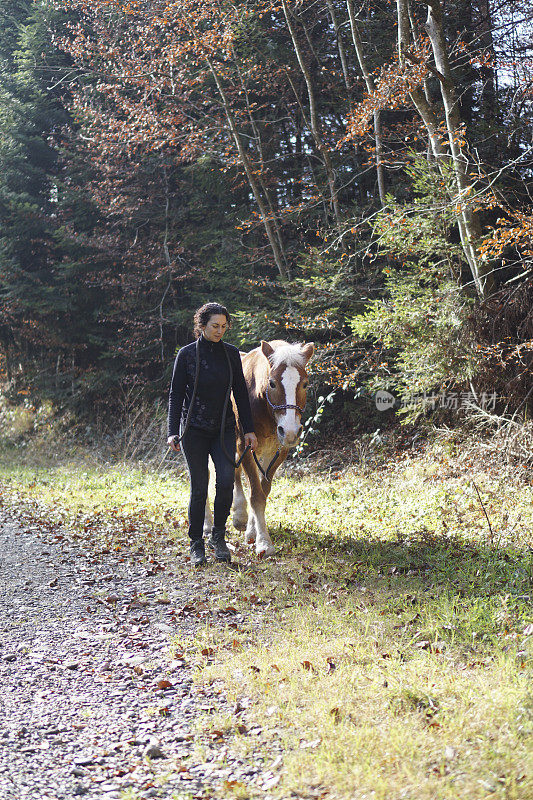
column 198, row 558
column 218, row 543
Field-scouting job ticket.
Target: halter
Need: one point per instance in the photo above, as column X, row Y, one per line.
column 281, row 407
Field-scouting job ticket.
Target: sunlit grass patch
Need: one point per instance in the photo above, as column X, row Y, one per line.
column 110, row 505
column 385, row 650
column 363, row 707
column 395, row 655
column 397, row 504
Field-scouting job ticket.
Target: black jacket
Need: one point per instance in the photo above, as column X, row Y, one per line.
column 206, row 413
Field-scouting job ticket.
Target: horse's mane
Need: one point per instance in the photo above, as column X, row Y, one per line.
column 285, row 353
column 256, row 368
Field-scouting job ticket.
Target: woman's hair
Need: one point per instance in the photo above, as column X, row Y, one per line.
column 203, row 315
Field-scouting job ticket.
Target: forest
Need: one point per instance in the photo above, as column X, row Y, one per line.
column 354, row 174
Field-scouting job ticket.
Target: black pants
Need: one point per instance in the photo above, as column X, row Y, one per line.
column 197, row 446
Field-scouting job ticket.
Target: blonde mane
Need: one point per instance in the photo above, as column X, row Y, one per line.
column 289, row 354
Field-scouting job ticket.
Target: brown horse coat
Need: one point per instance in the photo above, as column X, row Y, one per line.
column 276, row 377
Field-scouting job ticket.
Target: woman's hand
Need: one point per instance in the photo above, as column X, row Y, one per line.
column 173, row 443
column 250, row 439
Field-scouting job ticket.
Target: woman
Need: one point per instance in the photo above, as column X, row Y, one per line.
column 202, row 423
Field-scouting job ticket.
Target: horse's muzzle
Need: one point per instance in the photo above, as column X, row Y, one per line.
column 289, row 438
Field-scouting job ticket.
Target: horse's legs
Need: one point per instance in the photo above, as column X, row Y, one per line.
column 251, row 533
column 208, row 518
column 240, row 510
column 259, row 492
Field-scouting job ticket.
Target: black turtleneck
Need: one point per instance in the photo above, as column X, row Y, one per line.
column 206, row 413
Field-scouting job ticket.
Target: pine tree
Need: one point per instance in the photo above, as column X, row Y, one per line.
column 45, row 304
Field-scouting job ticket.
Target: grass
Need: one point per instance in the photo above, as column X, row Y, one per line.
column 110, row 505
column 385, row 650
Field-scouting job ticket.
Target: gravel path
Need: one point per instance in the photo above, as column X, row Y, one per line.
column 85, row 641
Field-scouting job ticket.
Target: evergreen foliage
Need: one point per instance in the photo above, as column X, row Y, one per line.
column 421, row 325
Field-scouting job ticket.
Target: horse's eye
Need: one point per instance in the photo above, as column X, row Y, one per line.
column 272, row 384
column 305, row 384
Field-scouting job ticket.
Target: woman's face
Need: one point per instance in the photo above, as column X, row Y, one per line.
column 215, row 328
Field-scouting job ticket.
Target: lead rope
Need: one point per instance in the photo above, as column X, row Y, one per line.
column 194, row 390
column 235, row 464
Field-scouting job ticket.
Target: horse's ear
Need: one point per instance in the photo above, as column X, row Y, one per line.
column 308, row 350
column 266, row 349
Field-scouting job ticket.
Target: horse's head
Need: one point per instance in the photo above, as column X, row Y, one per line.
column 286, row 388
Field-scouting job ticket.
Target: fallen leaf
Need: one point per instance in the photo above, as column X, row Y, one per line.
column 309, row 745
column 233, row 785
column 271, row 782
column 164, row 684
column 112, row 598
column 488, row 785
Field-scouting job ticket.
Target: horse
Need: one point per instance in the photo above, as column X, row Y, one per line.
column 277, row 385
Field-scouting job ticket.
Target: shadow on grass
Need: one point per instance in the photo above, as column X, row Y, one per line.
column 449, row 590
column 466, row 569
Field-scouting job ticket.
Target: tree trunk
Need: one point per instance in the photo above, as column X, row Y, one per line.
column 468, row 222
column 340, row 47
column 266, row 193
column 488, row 74
column 370, row 86
column 300, row 148
column 420, row 101
column 471, row 229
column 313, row 121
column 254, row 185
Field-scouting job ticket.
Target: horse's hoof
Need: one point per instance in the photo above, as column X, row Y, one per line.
column 265, row 550
column 240, row 523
